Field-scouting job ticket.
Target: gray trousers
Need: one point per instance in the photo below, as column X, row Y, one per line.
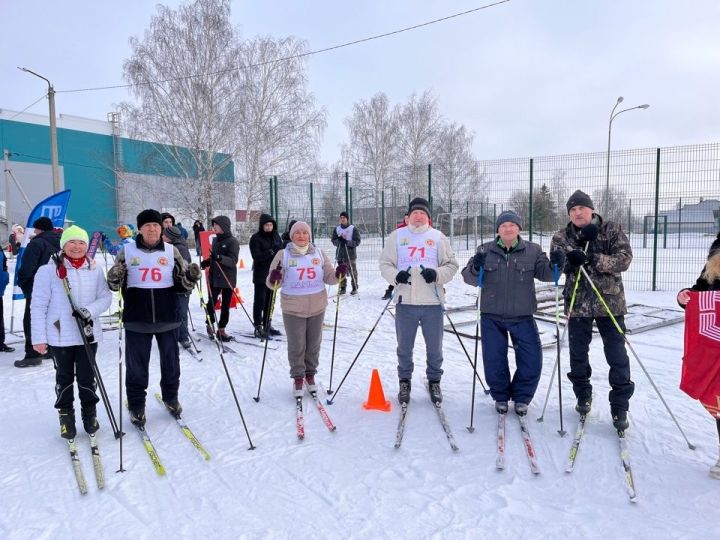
column 430, row 318
column 304, row 335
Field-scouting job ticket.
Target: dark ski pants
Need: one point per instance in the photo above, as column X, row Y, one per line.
column 71, row 363
column 183, row 301
column 353, row 274
column 528, row 358
column 430, row 319
column 137, row 362
column 226, row 295
column 29, row 351
column 580, row 332
column 261, row 304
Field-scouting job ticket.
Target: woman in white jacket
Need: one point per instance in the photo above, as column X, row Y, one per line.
column 54, row 324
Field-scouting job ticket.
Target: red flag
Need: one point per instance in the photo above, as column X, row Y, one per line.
column 701, row 361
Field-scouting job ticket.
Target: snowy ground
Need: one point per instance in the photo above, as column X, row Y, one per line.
column 352, row 483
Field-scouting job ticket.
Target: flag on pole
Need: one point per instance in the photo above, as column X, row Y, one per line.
column 54, row 207
column 701, row 362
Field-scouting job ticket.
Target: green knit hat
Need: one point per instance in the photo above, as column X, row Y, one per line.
column 73, row 233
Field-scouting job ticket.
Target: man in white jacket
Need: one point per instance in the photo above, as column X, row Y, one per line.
column 418, row 260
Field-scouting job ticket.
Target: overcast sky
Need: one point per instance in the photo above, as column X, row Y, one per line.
column 528, row 77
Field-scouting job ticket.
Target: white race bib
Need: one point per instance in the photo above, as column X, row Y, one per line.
column 149, row 270
column 417, row 249
column 303, row 273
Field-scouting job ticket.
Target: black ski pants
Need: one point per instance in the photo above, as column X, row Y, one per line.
column 137, row 362
column 580, row 331
column 261, row 305
column 226, row 295
column 71, row 363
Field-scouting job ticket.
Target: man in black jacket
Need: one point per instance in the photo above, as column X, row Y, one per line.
column 151, row 273
column 222, row 262
column 346, row 239
column 37, row 253
column 264, row 244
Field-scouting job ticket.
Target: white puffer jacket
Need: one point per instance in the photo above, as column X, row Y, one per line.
column 51, row 316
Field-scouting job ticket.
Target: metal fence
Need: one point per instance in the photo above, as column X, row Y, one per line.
column 666, row 199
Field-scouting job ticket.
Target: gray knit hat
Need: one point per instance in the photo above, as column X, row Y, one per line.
column 172, row 233
column 504, row 217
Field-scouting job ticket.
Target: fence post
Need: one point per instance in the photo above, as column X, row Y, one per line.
column 277, row 201
column 382, row 217
column 347, row 192
column 679, row 227
column 657, row 209
column 430, row 197
column 665, row 232
column 629, row 229
column 467, row 224
column 272, row 199
column 350, row 210
column 530, row 205
column 312, row 215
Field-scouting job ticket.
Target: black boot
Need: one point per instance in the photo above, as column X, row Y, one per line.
column 273, row 332
column 137, row 416
column 435, row 393
column 620, row 420
column 404, row 393
column 173, row 405
column 583, row 405
column 89, row 419
column 67, row 423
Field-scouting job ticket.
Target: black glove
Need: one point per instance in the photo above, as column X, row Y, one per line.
column 205, row 263
column 557, row 258
column 429, row 275
column 341, row 240
column 479, row 260
column 588, row 233
column 217, row 256
column 577, row 257
column 193, row 272
column 83, row 313
column 403, row 276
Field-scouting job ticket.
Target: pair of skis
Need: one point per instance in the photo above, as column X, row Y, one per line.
column 527, row 443
column 77, row 467
column 443, row 422
column 150, row 447
column 300, row 417
column 624, row 457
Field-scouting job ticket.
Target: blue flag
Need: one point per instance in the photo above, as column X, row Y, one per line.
column 54, row 207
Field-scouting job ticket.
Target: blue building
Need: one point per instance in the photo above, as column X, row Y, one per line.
column 112, row 177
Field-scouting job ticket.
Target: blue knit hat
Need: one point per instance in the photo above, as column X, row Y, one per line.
column 504, row 217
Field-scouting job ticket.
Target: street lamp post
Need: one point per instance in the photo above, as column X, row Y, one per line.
column 613, row 115
column 53, row 132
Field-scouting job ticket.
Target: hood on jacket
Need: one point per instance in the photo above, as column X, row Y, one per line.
column 52, row 238
column 266, row 218
column 224, row 223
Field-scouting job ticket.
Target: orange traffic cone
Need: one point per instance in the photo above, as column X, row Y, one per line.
column 376, row 396
column 241, row 264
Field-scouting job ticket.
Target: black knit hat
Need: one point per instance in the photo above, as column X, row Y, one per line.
column 149, row 216
column 418, row 203
column 166, row 215
column 579, row 198
column 43, row 223
column 507, row 216
column 344, row 214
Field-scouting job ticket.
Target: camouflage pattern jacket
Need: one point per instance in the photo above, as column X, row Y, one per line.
column 608, row 255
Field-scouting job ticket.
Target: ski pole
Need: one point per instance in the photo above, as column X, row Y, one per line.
column 267, row 339
column 330, row 401
column 624, row 336
column 237, row 298
column 337, row 310
column 120, row 386
column 478, row 300
column 562, row 339
column 556, row 271
column 211, row 324
column 457, row 335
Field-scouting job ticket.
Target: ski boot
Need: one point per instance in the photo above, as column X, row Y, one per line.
column 501, row 407
column 521, row 409
column 620, row 420
column 298, row 387
column 583, row 405
column 67, row 423
column 435, row 393
column 137, row 416
column 173, row 405
column 404, row 393
column 223, row 336
column 88, row 414
column 311, row 386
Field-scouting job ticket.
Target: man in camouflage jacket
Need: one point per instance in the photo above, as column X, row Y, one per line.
column 604, row 251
